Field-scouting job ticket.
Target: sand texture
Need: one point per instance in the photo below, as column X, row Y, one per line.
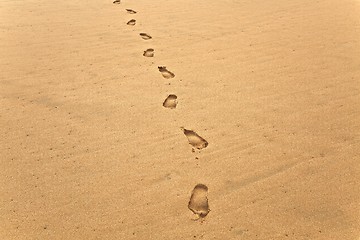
column 92, row 147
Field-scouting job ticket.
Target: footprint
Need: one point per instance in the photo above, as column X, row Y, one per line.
column 116, row 2
column 149, row 52
column 166, row 73
column 198, row 203
column 145, row 36
column 194, row 139
column 132, row 22
column 130, row 11
column 170, row 101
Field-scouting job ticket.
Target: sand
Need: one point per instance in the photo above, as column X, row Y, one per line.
column 88, row 151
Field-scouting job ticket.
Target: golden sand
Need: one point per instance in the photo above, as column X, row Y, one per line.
column 88, row 151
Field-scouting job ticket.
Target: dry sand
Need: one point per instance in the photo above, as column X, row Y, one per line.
column 89, row 152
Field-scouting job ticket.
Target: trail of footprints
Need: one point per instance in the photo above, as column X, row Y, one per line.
column 198, row 202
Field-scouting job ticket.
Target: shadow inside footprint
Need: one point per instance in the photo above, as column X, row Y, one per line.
column 198, row 203
column 130, row 11
column 166, row 73
column 170, row 101
column 194, row 139
column 116, row 2
column 149, row 52
column 132, row 22
column 145, row 36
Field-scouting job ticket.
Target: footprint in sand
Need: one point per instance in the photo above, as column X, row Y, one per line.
column 194, row 139
column 130, row 11
column 132, row 22
column 170, row 101
column 116, row 2
column 149, row 52
column 166, row 73
column 198, row 203
column 145, row 36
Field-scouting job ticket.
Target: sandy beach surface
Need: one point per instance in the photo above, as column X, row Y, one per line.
column 269, row 90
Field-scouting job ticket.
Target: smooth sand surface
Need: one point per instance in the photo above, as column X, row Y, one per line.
column 89, row 152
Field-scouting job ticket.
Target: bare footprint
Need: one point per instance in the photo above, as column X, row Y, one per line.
column 194, row 139
column 166, row 73
column 130, row 11
column 148, row 52
column 145, row 36
column 116, row 2
column 132, row 22
column 198, row 203
column 170, row 101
